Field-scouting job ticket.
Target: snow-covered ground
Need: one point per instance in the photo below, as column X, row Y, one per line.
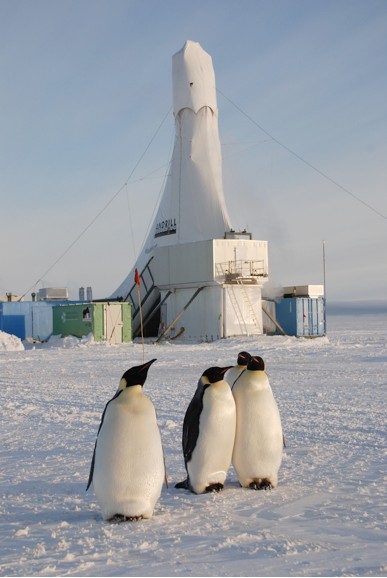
column 326, row 517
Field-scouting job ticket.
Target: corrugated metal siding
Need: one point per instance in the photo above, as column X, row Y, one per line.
column 301, row 316
column 27, row 319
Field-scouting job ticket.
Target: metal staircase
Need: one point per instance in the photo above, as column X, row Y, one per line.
column 149, row 297
column 241, row 273
column 237, row 309
column 249, row 304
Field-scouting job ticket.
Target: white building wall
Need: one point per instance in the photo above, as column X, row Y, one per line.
column 218, row 311
column 221, row 309
column 183, row 265
column 204, row 262
column 203, row 320
column 242, row 310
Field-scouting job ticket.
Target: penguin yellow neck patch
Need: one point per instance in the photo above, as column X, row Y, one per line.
column 123, row 383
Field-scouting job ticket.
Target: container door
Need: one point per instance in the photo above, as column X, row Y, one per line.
column 320, row 311
column 126, row 309
column 313, row 317
column 302, row 317
column 41, row 323
column 113, row 323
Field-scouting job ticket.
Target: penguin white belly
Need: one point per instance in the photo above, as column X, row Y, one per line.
column 129, row 463
column 211, row 458
column 258, row 442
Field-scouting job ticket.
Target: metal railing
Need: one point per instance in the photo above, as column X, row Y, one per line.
column 237, row 270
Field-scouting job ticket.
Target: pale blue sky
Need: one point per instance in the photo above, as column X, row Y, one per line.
column 85, row 84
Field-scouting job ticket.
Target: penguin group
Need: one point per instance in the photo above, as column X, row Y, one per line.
column 232, row 419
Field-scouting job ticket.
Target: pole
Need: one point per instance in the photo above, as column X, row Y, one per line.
column 324, row 292
column 142, row 329
column 137, row 281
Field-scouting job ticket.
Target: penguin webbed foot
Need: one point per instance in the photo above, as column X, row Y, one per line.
column 214, row 488
column 261, row 484
column 182, row 485
column 120, row 518
column 185, row 485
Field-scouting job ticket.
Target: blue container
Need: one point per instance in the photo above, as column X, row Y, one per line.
column 301, row 316
column 28, row 318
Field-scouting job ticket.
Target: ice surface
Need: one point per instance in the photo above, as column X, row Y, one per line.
column 327, row 517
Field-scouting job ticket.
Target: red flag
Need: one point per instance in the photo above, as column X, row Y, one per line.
column 136, row 277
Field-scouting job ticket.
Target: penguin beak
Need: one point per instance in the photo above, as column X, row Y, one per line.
column 147, row 365
column 143, row 370
column 224, row 369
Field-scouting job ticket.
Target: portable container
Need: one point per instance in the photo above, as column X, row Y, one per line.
column 107, row 321
column 27, row 319
column 301, row 316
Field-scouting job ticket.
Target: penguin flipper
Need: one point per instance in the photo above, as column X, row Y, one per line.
column 95, row 445
column 191, row 424
column 105, row 408
column 165, row 472
column 91, row 468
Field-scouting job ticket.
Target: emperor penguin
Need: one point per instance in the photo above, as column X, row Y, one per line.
column 128, row 469
column 209, row 433
column 233, row 374
column 258, row 444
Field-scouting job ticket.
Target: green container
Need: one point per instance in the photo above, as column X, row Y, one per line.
column 110, row 322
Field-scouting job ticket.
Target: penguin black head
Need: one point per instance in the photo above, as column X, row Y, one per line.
column 215, row 374
column 243, row 358
column 136, row 375
column 256, row 363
